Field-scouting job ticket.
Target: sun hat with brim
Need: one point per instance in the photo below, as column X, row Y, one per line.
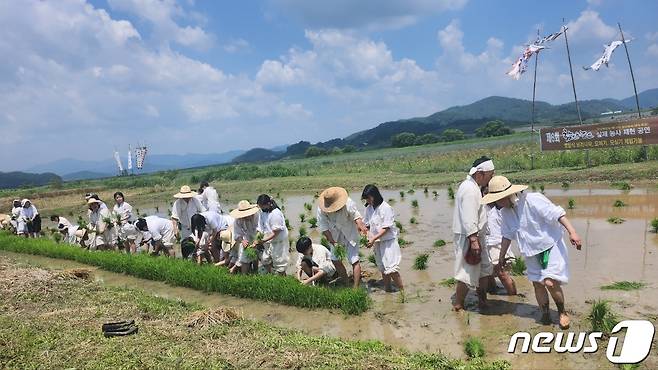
column 226, row 236
column 185, row 192
column 245, row 209
column 499, row 188
column 332, row 199
column 93, row 200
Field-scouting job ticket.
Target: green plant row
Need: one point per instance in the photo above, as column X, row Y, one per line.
column 207, row 278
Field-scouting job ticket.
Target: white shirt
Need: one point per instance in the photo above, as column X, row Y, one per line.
column 96, row 219
column 381, row 217
column 65, row 222
column 16, row 212
column 533, row 223
column 494, row 222
column 158, row 227
column 341, row 221
column 183, row 211
column 245, row 228
column 470, row 216
column 29, row 213
column 215, row 222
column 210, row 199
column 321, row 256
column 270, row 221
column 125, row 211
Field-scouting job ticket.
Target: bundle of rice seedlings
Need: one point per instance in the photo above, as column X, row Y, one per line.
column 402, row 242
column 449, row 283
column 109, row 223
column 439, row 243
column 363, row 241
column 625, row 285
column 325, row 242
column 308, row 206
column 601, row 317
column 313, row 222
column 371, row 259
column 302, row 231
column 616, row 220
column 619, row 203
column 518, row 266
column 251, row 253
column 420, row 263
column 340, row 252
column 214, row 316
column 474, row 348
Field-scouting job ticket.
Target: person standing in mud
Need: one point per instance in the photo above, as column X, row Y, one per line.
column 185, row 206
column 272, row 223
column 340, row 222
column 100, row 223
column 537, row 225
column 472, row 262
column 494, row 238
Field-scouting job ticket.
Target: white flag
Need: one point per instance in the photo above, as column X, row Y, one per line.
column 607, row 54
column 118, row 160
column 519, row 67
column 130, row 159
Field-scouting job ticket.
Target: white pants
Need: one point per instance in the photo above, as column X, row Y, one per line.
column 557, row 269
column 388, row 256
column 276, row 254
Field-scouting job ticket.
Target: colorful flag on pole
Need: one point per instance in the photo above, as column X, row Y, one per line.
column 607, row 54
column 519, row 67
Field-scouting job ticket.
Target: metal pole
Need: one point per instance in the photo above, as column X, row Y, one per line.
column 532, row 122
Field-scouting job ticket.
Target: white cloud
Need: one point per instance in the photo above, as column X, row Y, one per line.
column 590, row 27
column 236, row 45
column 653, row 50
column 367, row 14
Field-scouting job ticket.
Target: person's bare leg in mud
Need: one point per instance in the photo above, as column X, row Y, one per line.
column 555, row 289
column 397, row 279
column 460, row 296
column 356, row 274
column 387, row 282
column 491, row 285
column 507, row 281
column 483, row 302
column 542, row 301
column 341, row 271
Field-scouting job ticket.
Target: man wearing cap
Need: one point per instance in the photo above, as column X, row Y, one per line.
column 185, row 206
column 537, row 225
column 469, row 224
column 340, row 222
column 100, row 224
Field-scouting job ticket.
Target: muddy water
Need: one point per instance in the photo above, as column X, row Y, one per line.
column 424, row 321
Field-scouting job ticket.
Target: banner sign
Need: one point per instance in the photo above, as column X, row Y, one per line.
column 605, row 135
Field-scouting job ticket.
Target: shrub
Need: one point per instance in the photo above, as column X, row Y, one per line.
column 453, row 134
column 474, row 348
column 420, row 263
column 601, row 317
column 403, row 139
column 427, row 139
column 493, row 128
column 314, row 151
column 207, row 278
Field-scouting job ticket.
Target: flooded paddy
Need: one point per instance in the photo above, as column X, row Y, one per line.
column 423, row 319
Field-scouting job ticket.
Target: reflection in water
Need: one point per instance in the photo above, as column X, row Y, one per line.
column 424, row 321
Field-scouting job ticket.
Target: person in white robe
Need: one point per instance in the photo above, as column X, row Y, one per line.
column 314, row 262
column 245, row 230
column 103, row 233
column 494, row 238
column 383, row 236
column 29, row 220
column 185, row 206
column 159, row 232
column 537, row 225
column 213, row 223
column 272, row 223
column 125, row 222
column 210, row 197
column 15, row 214
column 469, row 225
column 340, row 222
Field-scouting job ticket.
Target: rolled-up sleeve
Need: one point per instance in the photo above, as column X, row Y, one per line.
column 546, row 209
column 352, row 210
column 388, row 217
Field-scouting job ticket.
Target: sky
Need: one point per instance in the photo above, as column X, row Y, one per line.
column 80, row 78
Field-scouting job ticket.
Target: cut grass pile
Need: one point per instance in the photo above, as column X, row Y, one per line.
column 601, row 317
column 420, row 263
column 625, row 285
column 207, row 278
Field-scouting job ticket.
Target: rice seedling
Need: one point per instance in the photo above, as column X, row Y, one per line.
column 451, row 192
column 435, row 193
column 391, row 201
column 654, row 225
column 413, row 221
column 601, row 317
column 399, row 226
column 402, row 297
column 572, row 203
column 401, row 194
column 316, row 196
column 414, row 203
column 565, row 185
column 616, row 220
column 411, row 191
column 259, row 237
column 402, row 243
column 157, row 209
column 137, row 210
column 372, row 259
column 439, row 243
column 622, row 185
column 302, row 231
column 109, row 222
column 251, row 253
column 288, row 225
column 308, row 207
column 207, row 278
column 420, row 263
column 448, row 283
column 325, row 242
column 425, row 190
column 302, row 217
column 313, row 222
column 169, row 212
column 71, row 213
column 474, row 348
column 533, row 187
column 625, row 285
column 283, row 208
column 541, row 188
column 518, row 266
column 340, row 252
column 363, row 241
column 619, row 203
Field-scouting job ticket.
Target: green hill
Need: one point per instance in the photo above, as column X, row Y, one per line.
column 10, row 180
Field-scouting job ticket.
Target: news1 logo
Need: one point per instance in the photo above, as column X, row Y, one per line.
column 634, row 348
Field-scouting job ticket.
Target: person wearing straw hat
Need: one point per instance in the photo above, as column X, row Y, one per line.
column 340, row 222
column 229, row 248
column 245, row 229
column 272, row 223
column 100, row 223
column 185, row 206
column 469, row 225
column 537, row 226
column 29, row 220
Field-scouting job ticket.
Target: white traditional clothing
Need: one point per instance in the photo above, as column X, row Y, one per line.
column 105, row 232
column 533, row 223
column 495, row 237
column 244, row 228
column 342, row 226
column 210, row 199
column 215, row 222
column 322, row 258
column 160, row 229
column 386, row 248
column 276, row 250
column 470, row 217
column 63, row 223
column 182, row 211
column 127, row 229
column 29, row 220
column 15, row 215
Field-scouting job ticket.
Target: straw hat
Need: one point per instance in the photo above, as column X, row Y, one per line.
column 499, row 188
column 245, row 209
column 226, row 236
column 332, row 199
column 185, row 192
column 93, row 200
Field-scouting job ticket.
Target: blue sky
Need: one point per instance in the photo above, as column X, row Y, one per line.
column 82, row 77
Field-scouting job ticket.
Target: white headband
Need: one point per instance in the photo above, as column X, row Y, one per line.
column 484, row 167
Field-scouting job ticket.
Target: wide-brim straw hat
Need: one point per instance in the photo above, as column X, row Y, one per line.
column 226, row 236
column 185, row 192
column 332, row 199
column 245, row 209
column 93, row 200
column 499, row 188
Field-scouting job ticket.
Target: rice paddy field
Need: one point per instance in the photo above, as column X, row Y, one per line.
column 613, row 277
